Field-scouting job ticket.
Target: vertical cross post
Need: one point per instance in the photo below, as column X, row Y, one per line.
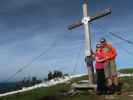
column 88, row 58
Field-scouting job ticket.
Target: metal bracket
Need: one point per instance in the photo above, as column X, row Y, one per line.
column 85, row 20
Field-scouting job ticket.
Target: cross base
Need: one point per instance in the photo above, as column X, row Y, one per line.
column 84, row 85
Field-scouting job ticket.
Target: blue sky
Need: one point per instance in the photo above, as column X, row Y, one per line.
column 29, row 27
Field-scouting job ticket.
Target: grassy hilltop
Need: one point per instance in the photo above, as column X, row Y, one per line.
column 54, row 92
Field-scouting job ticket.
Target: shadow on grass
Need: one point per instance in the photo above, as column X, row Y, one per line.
column 49, row 98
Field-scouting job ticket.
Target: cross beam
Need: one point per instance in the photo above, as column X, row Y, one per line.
column 86, row 22
column 92, row 18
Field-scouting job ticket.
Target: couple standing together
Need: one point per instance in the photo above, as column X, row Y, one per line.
column 107, row 80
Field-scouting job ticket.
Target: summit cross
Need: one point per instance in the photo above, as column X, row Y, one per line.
column 86, row 20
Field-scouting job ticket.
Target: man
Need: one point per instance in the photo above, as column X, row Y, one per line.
column 110, row 69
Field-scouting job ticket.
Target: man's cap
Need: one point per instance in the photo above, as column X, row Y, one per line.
column 102, row 40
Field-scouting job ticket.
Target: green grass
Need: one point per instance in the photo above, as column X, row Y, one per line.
column 54, row 91
column 126, row 70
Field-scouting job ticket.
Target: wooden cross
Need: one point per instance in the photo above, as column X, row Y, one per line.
column 86, row 22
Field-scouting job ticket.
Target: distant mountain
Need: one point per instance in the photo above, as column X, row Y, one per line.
column 6, row 87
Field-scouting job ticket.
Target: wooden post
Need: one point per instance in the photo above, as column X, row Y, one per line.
column 88, row 58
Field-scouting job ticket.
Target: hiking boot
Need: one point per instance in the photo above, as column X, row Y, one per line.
column 117, row 89
column 110, row 90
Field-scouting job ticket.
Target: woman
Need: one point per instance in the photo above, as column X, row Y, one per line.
column 100, row 64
